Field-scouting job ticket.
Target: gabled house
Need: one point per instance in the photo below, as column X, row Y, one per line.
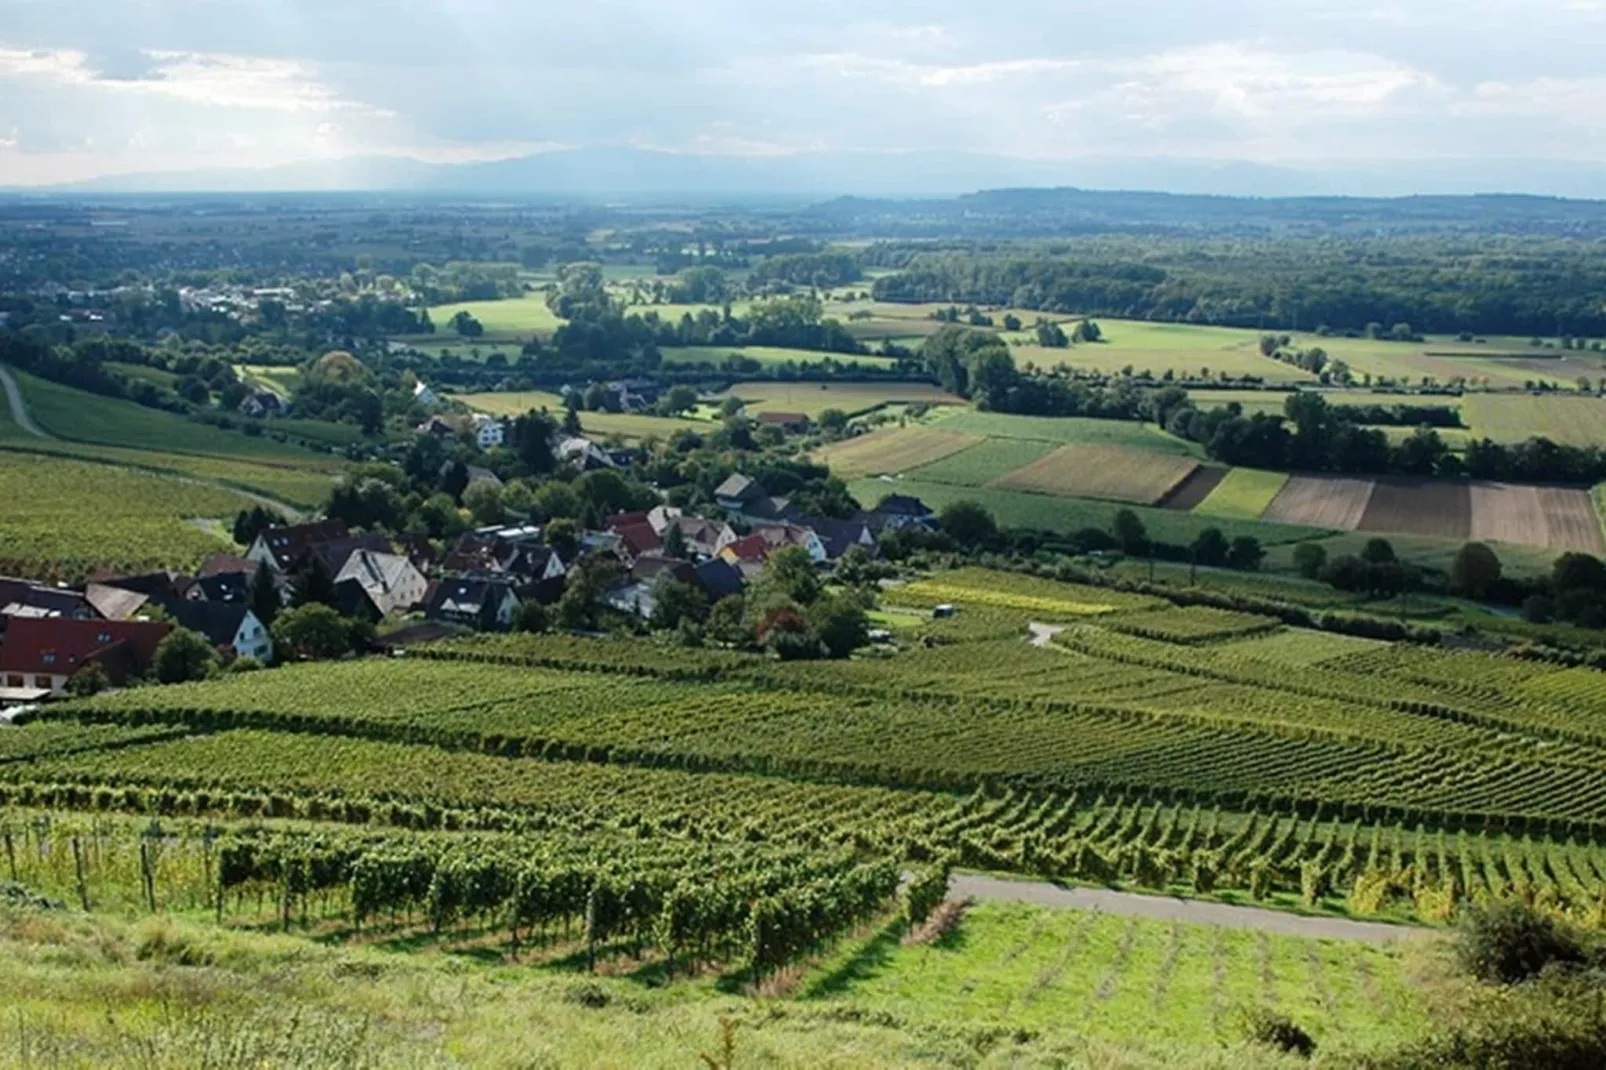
column 837, row 536
column 24, row 598
column 737, row 492
column 281, row 548
column 637, row 539
column 484, row 605
column 776, row 537
column 114, row 603
column 718, row 579
column 703, row 538
column 390, row 581
column 263, row 403
column 335, row 553
column 489, row 431
column 227, row 587
column 230, row 627
column 424, row 396
column 437, row 427
column 43, row 653
column 897, row 511
column 584, row 454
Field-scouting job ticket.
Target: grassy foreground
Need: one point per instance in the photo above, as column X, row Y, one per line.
column 87, row 991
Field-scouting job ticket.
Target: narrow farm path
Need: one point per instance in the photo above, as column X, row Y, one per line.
column 19, row 410
column 1164, row 908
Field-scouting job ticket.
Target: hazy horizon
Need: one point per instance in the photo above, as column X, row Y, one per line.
column 1449, row 96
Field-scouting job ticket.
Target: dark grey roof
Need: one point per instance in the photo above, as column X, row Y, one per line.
column 719, row 578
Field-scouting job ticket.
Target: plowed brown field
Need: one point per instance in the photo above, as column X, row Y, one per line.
column 1438, row 508
column 1321, row 502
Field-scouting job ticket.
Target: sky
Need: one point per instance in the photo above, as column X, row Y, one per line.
column 113, row 86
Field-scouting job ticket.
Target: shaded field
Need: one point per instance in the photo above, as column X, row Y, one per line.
column 1569, row 421
column 515, row 402
column 812, row 399
column 1112, row 358
column 1298, row 648
column 1571, row 520
column 893, row 450
column 1245, row 492
column 1022, row 509
column 1085, row 471
column 767, row 356
column 1193, row 490
column 1070, row 429
column 1319, row 501
column 984, row 462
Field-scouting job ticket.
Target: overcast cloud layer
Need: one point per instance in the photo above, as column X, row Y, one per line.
column 95, row 88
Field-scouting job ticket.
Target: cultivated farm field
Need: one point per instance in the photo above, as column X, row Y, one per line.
column 893, row 450
column 69, row 518
column 1102, row 472
column 525, row 316
column 811, row 399
column 1568, row 421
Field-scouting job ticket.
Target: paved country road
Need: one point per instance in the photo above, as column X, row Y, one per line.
column 1164, row 908
column 19, row 411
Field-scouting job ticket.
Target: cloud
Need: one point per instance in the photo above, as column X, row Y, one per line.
column 87, row 87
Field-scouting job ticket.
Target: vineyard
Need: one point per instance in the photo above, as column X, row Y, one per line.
column 617, row 804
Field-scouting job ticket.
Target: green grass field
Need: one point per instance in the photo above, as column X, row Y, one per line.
column 1067, row 430
column 511, row 316
column 1019, row 509
column 1125, row 979
column 982, row 463
column 1244, row 493
column 1565, row 420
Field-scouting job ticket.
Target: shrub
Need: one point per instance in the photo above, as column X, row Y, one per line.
column 1262, row 1025
column 1509, row 942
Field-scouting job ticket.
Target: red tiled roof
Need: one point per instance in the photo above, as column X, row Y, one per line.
column 639, row 538
column 782, row 418
column 752, row 548
column 60, row 645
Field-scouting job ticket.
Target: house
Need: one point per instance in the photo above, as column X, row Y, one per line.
column 230, row 627
column 794, row 422
column 584, row 454
column 24, row 598
column 263, row 403
column 424, row 396
column 753, row 547
column 703, row 538
column 649, row 567
column 737, row 492
column 391, row 582
column 232, row 587
column 718, row 579
column 155, row 584
column 282, row 547
column 43, row 653
column 437, row 427
column 226, row 564
column 897, row 511
column 837, row 536
column 336, row 553
column 484, row 605
column 488, row 431
column 114, row 603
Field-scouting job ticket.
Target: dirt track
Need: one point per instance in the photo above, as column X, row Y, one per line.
column 1162, row 908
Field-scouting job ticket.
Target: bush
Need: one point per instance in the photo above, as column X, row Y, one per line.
column 1510, row 942
column 1264, row 1026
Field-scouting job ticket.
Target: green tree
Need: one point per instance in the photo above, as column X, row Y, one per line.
column 466, row 325
column 1246, row 554
column 790, row 574
column 263, row 596
column 834, row 420
column 675, row 542
column 727, row 621
column 563, row 535
column 1475, row 570
column 969, row 524
column 838, row 622
column 675, row 601
column 483, row 499
column 1130, row 534
column 1051, row 334
column 88, row 680
column 1309, row 559
column 679, row 399
column 315, row 584
column 311, row 632
column 532, row 436
column 532, row 617
column 1378, row 551
column 1210, row 548
column 183, row 655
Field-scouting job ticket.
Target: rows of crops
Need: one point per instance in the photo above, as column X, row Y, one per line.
column 1191, row 624
column 690, row 902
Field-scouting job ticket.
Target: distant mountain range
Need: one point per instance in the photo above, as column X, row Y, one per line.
column 622, row 173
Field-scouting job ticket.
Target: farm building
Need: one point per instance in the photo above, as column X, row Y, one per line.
column 44, row 653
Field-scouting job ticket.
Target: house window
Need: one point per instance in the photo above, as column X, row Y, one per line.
column 43, row 681
column 48, row 658
column 13, row 680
